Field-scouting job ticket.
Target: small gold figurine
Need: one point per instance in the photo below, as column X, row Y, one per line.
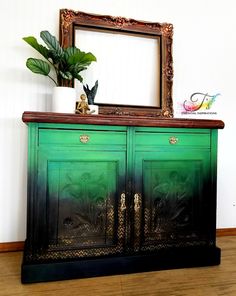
column 82, row 106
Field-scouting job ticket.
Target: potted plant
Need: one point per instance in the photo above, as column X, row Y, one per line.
column 61, row 65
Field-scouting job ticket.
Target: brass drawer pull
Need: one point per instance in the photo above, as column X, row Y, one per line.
column 122, row 202
column 173, row 140
column 84, row 139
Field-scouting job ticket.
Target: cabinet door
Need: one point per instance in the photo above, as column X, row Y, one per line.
column 79, row 206
column 172, row 199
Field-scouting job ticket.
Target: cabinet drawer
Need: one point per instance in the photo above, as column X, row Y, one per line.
column 173, row 139
column 81, row 137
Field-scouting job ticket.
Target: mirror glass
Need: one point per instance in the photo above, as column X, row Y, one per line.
column 134, row 62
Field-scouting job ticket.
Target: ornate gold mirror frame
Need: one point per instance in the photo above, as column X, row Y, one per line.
column 72, row 22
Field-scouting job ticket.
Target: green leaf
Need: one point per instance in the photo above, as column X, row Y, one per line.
column 38, row 66
column 70, row 51
column 32, row 41
column 52, row 43
column 67, row 63
column 79, row 77
column 89, row 57
column 74, row 56
column 55, row 57
column 77, row 68
column 66, row 75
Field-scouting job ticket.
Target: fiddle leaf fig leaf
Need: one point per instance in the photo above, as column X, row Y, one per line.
column 38, row 66
column 40, row 48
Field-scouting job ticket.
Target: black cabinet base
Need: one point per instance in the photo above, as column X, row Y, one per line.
column 168, row 259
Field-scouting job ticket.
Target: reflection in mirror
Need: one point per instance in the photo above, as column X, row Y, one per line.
column 134, row 62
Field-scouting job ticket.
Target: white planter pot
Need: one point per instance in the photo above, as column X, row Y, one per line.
column 63, row 99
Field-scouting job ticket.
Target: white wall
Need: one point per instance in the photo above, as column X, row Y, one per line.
column 204, row 60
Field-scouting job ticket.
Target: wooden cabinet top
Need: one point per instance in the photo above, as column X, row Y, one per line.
column 51, row 117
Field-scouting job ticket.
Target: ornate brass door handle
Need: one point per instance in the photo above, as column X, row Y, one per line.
column 137, row 201
column 122, row 202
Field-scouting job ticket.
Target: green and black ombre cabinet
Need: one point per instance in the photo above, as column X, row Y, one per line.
column 114, row 194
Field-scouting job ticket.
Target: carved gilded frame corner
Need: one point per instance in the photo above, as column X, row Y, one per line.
column 73, row 20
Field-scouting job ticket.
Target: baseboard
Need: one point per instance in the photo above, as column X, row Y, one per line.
column 11, row 246
column 19, row 246
column 226, row 232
